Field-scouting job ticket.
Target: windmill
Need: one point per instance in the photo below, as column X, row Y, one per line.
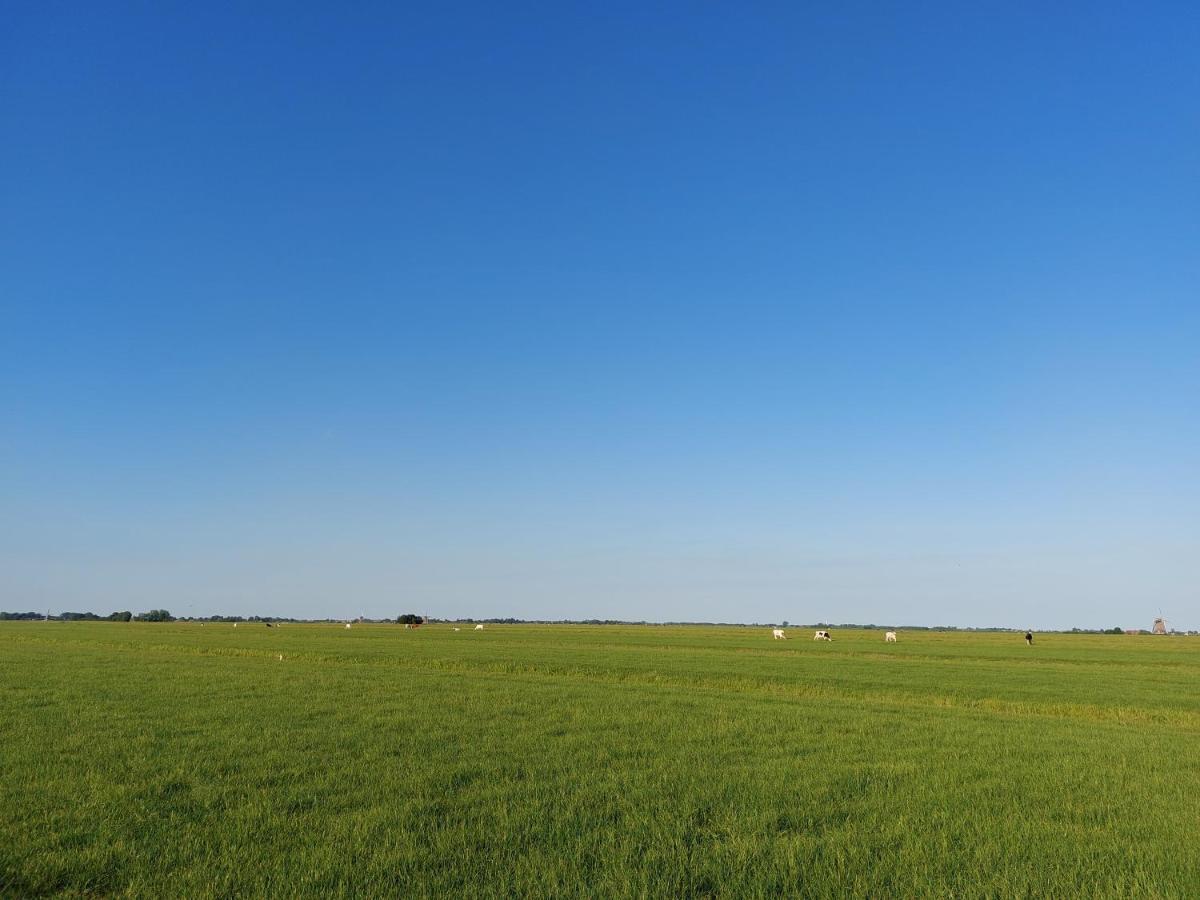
column 1160, row 624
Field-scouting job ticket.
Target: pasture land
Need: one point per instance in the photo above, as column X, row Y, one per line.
column 156, row 760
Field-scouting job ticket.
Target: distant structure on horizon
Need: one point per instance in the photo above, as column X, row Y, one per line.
column 1160, row 626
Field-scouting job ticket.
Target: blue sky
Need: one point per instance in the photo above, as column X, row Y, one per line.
column 876, row 313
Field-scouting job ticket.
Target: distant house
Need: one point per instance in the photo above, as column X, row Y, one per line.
column 1133, row 631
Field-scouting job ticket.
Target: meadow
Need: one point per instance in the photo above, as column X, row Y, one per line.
column 152, row 760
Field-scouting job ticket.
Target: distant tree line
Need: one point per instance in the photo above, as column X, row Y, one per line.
column 162, row 615
column 155, row 615
column 65, row 617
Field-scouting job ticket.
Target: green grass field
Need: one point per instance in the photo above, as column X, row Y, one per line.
column 179, row 760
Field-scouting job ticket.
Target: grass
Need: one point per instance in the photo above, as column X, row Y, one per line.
column 156, row 760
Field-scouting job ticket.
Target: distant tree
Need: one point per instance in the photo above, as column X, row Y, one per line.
column 410, row 619
column 156, row 615
column 1117, row 630
column 785, row 623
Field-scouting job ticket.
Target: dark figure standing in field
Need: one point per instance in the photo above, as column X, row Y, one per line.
column 1029, row 638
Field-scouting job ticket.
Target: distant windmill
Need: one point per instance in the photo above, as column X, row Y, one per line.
column 1160, row 626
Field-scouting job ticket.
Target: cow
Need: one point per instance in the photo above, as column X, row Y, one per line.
column 479, row 628
column 456, row 629
column 407, row 626
column 890, row 637
column 347, row 624
column 822, row 636
column 778, row 635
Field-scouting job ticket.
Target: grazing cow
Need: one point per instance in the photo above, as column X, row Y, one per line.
column 890, row 637
column 235, row 624
column 268, row 624
column 479, row 628
column 457, row 629
column 822, row 636
column 407, row 626
column 281, row 657
column 1029, row 639
column 347, row 624
column 778, row 635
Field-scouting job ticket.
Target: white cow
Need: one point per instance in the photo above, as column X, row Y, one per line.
column 347, row 624
column 456, row 629
column 479, row 628
column 890, row 637
column 822, row 636
column 778, row 635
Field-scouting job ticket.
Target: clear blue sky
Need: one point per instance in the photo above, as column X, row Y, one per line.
column 855, row 312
